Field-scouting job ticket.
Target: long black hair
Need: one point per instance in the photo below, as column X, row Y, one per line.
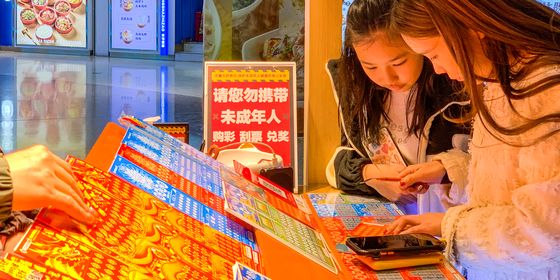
column 362, row 101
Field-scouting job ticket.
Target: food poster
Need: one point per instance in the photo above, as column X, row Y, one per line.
column 51, row 105
column 55, row 23
column 256, row 30
column 134, row 24
column 217, row 30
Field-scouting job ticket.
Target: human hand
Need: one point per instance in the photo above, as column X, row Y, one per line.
column 416, row 178
column 384, row 179
column 425, row 223
column 386, row 171
column 392, row 191
column 41, row 179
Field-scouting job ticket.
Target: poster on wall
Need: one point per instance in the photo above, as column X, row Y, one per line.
column 134, row 25
column 252, row 102
column 60, row 23
column 256, row 30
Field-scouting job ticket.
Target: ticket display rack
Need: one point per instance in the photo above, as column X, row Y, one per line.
column 168, row 211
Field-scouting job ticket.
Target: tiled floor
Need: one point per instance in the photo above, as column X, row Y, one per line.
column 64, row 102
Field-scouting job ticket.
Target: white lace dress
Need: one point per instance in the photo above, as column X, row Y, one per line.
column 510, row 226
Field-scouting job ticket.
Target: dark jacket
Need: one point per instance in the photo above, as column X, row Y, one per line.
column 446, row 142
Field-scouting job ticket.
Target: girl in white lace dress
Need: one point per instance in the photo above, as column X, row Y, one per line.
column 510, row 226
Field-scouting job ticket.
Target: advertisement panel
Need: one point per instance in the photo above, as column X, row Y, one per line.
column 134, row 25
column 252, row 102
column 51, row 23
column 256, row 30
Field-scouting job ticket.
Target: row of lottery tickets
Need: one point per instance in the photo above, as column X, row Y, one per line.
column 218, row 196
column 339, row 215
column 136, row 236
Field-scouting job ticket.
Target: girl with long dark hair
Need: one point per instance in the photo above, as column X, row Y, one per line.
column 381, row 84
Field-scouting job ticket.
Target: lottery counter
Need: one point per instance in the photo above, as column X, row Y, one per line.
column 278, row 260
column 168, row 212
column 336, row 215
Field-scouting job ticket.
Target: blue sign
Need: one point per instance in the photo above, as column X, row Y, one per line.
column 6, row 23
column 163, row 31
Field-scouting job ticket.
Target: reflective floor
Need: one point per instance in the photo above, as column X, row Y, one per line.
column 64, row 102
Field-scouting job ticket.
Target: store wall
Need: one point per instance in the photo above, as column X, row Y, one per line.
column 185, row 19
column 6, row 22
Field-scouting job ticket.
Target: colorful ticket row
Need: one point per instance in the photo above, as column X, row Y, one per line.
column 180, row 200
column 197, row 192
column 191, row 168
column 148, row 148
column 166, row 138
column 136, row 236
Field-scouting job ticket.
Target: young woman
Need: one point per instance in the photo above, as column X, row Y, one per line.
column 509, row 228
column 380, row 84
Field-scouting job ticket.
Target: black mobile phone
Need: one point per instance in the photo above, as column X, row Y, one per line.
column 376, row 246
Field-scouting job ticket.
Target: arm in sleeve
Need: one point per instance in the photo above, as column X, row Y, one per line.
column 348, row 173
column 525, row 233
column 6, row 189
column 344, row 169
column 456, row 164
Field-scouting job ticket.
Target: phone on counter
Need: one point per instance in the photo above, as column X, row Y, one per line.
column 402, row 244
column 398, row 261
